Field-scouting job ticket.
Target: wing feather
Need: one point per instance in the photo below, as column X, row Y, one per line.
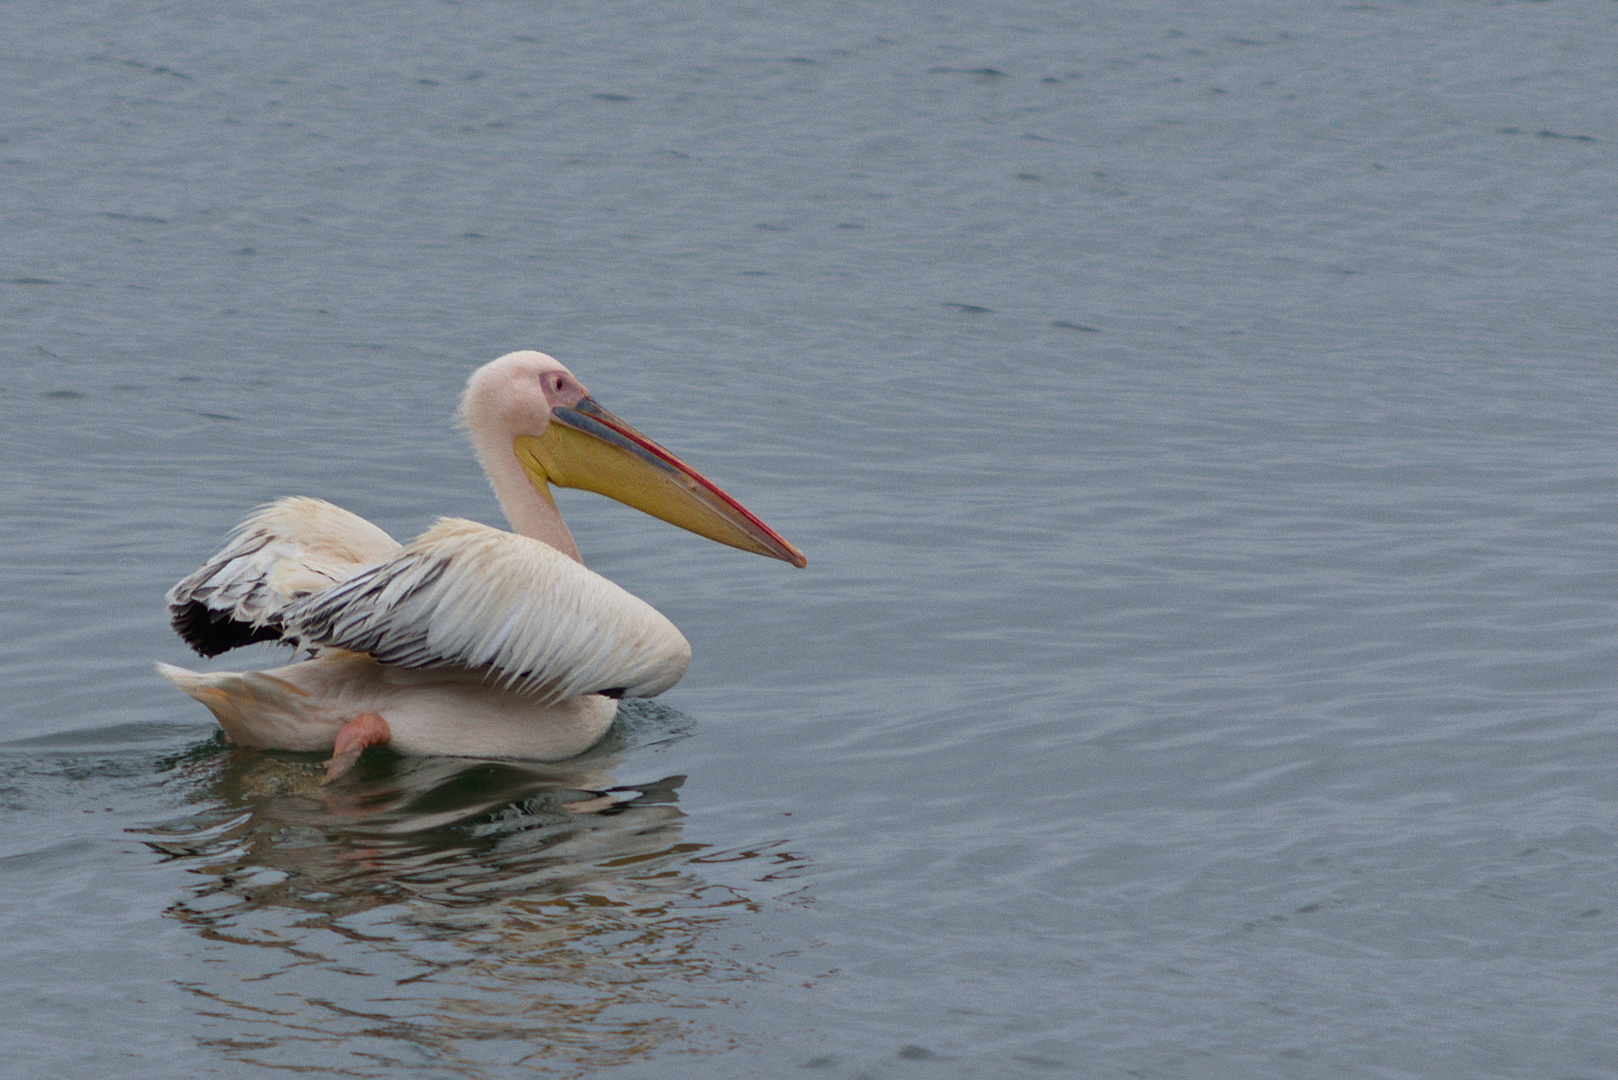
column 282, row 553
column 468, row 596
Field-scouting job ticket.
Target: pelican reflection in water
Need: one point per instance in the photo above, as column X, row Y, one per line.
column 456, row 912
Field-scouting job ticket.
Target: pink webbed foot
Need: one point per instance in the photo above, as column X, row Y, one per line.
column 366, row 729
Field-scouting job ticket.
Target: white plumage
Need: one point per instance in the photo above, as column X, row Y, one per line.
column 468, row 639
column 445, row 600
column 283, row 552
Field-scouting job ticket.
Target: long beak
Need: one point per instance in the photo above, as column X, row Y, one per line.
column 587, row 447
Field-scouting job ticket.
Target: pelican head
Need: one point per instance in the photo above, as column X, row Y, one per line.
column 527, row 409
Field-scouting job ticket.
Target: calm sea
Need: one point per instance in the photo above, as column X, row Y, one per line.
column 1201, row 422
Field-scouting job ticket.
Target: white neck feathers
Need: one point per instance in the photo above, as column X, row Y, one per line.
column 494, row 416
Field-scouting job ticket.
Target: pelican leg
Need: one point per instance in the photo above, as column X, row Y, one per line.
column 366, row 729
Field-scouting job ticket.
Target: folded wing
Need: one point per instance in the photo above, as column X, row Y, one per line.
column 284, row 552
column 464, row 595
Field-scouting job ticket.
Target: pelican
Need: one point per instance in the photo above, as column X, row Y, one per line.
column 468, row 640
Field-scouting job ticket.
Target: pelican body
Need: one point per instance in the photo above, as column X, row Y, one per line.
column 468, row 640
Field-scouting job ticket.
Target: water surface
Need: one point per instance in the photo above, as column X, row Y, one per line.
column 1199, row 422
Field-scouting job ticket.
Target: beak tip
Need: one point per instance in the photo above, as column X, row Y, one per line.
column 788, row 552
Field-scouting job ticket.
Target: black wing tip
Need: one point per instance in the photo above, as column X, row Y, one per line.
column 213, row 632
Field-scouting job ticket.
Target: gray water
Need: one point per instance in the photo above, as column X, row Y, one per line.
column 1199, row 419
